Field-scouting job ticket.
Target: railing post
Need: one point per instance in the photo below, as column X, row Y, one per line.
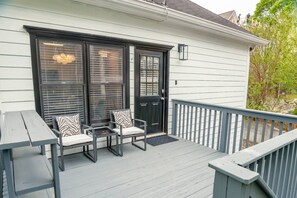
column 174, row 118
column 224, row 132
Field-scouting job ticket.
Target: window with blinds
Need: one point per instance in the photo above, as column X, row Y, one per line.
column 61, row 78
column 62, row 83
column 106, row 81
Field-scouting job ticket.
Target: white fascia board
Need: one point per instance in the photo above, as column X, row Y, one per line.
column 161, row 13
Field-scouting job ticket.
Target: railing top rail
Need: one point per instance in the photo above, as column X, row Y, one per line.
column 256, row 152
column 241, row 174
column 246, row 112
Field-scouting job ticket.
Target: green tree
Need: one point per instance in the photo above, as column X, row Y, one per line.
column 273, row 68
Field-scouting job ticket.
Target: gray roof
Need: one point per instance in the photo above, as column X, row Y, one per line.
column 189, row 7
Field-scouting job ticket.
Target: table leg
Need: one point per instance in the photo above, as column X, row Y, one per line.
column 55, row 167
column 9, row 174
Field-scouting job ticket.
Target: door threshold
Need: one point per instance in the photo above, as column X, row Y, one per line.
column 155, row 134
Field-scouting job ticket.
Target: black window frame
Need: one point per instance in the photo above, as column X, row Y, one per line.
column 74, row 38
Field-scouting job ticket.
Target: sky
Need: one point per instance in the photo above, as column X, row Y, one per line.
column 242, row 7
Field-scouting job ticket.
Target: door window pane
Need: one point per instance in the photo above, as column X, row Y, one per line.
column 149, row 76
column 61, row 80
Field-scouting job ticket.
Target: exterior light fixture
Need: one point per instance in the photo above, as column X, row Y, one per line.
column 183, row 51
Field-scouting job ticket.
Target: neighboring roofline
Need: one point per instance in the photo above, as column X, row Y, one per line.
column 161, row 13
column 227, row 12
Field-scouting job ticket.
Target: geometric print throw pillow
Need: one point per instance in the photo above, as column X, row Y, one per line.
column 69, row 125
column 123, row 118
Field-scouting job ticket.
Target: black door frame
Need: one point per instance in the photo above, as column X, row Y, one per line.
column 165, row 81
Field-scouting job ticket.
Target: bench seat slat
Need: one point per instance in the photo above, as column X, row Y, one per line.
column 14, row 133
column 32, row 172
column 39, row 132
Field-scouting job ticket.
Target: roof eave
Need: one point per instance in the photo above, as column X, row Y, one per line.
column 160, row 13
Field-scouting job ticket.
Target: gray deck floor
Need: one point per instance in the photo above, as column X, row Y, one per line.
column 178, row 169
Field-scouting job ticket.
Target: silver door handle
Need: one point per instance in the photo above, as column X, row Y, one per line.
column 162, row 98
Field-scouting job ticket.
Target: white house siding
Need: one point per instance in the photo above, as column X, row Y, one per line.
column 216, row 71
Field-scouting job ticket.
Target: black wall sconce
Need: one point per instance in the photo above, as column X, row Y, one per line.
column 183, row 51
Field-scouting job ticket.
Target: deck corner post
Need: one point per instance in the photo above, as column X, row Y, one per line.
column 174, row 117
column 224, row 132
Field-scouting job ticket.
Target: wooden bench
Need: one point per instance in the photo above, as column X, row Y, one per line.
column 24, row 137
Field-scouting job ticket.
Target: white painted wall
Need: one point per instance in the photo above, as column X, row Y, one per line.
column 216, row 71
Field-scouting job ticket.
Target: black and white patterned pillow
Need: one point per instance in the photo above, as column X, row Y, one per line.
column 123, row 118
column 69, row 125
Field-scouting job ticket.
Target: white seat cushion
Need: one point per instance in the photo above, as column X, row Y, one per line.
column 130, row 131
column 76, row 139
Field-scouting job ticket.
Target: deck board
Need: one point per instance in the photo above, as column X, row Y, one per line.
column 177, row 169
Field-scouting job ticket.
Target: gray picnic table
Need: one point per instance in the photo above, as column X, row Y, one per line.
column 23, row 141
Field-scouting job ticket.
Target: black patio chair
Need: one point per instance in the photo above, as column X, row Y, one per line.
column 133, row 131
column 74, row 141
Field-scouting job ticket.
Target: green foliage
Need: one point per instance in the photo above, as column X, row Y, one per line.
column 273, row 68
column 294, row 112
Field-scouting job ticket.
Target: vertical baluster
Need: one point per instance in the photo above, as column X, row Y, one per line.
column 214, row 128
column 280, row 128
column 290, row 180
column 195, row 126
column 294, row 180
column 229, row 128
column 184, row 114
column 263, row 130
column 219, row 131
column 285, row 180
column 191, row 123
column 174, row 118
column 253, row 166
column 280, row 172
column 262, row 170
column 256, row 131
column 275, row 171
column 179, row 119
column 200, row 119
column 204, row 127
column 235, row 133
column 290, row 127
column 241, row 133
column 208, row 130
column 272, row 129
column 248, row 133
column 268, row 168
column 187, row 126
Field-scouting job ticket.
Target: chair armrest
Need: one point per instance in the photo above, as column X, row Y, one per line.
column 121, row 126
column 59, row 135
column 138, row 120
column 86, row 127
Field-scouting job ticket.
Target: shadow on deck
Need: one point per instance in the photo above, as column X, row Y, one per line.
column 177, row 169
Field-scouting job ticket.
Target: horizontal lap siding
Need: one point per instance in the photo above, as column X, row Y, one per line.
column 216, row 71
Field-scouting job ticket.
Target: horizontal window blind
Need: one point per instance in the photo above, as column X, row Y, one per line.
column 61, row 78
column 106, row 81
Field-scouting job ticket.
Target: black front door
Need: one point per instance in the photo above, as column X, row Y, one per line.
column 149, row 89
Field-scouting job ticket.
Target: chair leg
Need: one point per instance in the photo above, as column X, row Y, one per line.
column 61, row 163
column 121, row 147
column 144, row 143
column 95, row 150
column 88, row 155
